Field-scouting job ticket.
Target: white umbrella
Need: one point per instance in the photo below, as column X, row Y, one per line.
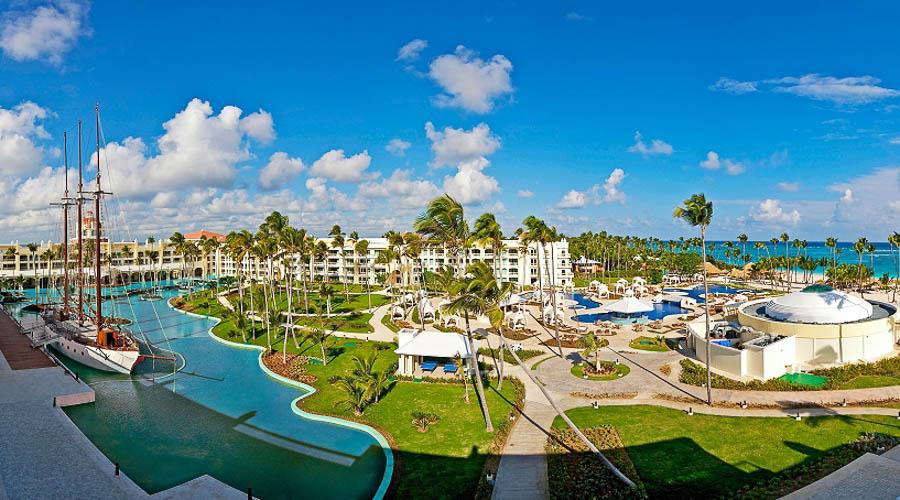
column 628, row 305
column 511, row 300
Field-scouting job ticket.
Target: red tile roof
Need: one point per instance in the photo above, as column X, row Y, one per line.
column 196, row 235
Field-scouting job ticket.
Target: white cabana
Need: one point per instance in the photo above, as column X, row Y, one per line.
column 621, row 285
column 443, row 304
column 426, row 310
column 602, row 291
column 594, row 285
column 552, row 314
column 449, row 320
column 671, row 279
column 637, row 280
column 418, row 349
column 397, row 312
column 516, row 320
column 408, row 299
column 639, row 290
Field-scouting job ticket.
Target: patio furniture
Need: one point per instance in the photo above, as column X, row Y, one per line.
column 450, row 367
column 429, row 366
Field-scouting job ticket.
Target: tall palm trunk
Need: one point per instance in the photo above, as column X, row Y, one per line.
column 488, row 425
column 706, row 309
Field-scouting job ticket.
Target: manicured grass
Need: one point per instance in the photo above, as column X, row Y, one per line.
column 386, row 321
column 538, row 362
column 867, row 381
column 704, row 456
column 649, row 344
column 621, row 371
column 444, row 462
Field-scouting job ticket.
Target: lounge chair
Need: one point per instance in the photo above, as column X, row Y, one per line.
column 450, row 367
column 429, row 366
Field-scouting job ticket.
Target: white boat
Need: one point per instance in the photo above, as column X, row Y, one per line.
column 76, row 331
column 119, row 352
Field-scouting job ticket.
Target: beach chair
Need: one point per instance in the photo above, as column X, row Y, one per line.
column 429, row 366
column 450, row 367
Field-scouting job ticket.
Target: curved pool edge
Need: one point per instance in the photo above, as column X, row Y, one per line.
column 385, row 446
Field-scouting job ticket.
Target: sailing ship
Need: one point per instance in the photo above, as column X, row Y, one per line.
column 84, row 334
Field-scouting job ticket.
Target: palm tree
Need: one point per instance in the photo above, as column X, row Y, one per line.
column 831, row 243
column 860, row 248
column 894, row 239
column 698, row 212
column 592, row 345
column 787, row 257
column 238, row 244
column 459, row 362
column 321, row 337
column 487, row 232
column 470, row 302
column 361, row 247
column 357, row 393
column 444, row 223
column 338, row 242
column 32, row 260
column 327, row 293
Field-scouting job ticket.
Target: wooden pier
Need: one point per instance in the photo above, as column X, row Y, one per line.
column 16, row 347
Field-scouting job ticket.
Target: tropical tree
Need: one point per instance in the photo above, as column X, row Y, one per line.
column 470, row 301
column 784, row 238
column 698, row 212
column 592, row 345
column 356, row 391
column 487, row 232
column 361, row 247
column 238, row 246
column 860, row 247
column 894, row 239
column 444, row 223
column 322, row 337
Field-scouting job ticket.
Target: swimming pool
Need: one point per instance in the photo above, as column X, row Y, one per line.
column 222, row 416
column 660, row 310
column 696, row 292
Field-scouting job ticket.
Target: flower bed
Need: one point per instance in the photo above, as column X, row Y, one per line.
column 574, row 472
column 608, row 371
column 293, row 369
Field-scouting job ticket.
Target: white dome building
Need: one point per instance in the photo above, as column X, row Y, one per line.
column 820, row 305
column 813, row 328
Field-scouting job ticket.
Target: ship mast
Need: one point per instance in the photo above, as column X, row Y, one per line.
column 98, row 233
column 66, row 201
column 80, row 249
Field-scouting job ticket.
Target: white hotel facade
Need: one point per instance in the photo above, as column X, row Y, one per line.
column 129, row 261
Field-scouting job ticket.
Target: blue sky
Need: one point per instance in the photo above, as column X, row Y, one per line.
column 786, row 116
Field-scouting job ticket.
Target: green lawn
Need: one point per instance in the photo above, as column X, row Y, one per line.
column 444, row 462
column 867, row 381
column 649, row 344
column 705, row 456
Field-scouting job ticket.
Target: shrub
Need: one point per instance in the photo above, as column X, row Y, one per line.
column 421, row 420
column 574, row 472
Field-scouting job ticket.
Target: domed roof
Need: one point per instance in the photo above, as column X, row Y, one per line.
column 818, row 304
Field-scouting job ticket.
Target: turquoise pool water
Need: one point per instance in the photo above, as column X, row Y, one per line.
column 660, row 310
column 222, row 416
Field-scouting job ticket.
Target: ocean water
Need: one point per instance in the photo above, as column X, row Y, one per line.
column 884, row 257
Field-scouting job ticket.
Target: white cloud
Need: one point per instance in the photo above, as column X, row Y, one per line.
column 732, row 86
column 788, row 187
column 851, row 90
column 576, row 16
column 259, row 126
column 411, row 50
column 611, row 187
column 847, row 197
column 607, row 193
column 470, row 184
column 19, row 128
column 280, row 170
column 714, row 162
column 848, row 90
column 771, row 211
column 453, row 146
column 335, row 166
column 573, row 199
column 164, row 199
column 401, row 190
column 469, row 82
column 47, row 32
column 525, row 193
column 656, row 147
column 198, row 149
column 397, row 147
column 895, row 140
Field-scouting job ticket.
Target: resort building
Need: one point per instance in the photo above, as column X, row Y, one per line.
column 816, row 327
column 128, row 261
column 432, row 353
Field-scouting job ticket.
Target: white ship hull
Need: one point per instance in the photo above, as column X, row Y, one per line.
column 108, row 360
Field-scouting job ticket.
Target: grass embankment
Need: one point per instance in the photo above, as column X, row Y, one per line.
column 444, row 462
column 883, row 373
column 703, row 456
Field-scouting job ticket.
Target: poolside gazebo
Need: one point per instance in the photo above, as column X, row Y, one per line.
column 432, row 353
column 628, row 307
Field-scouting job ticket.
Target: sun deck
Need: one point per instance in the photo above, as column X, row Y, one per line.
column 16, row 347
